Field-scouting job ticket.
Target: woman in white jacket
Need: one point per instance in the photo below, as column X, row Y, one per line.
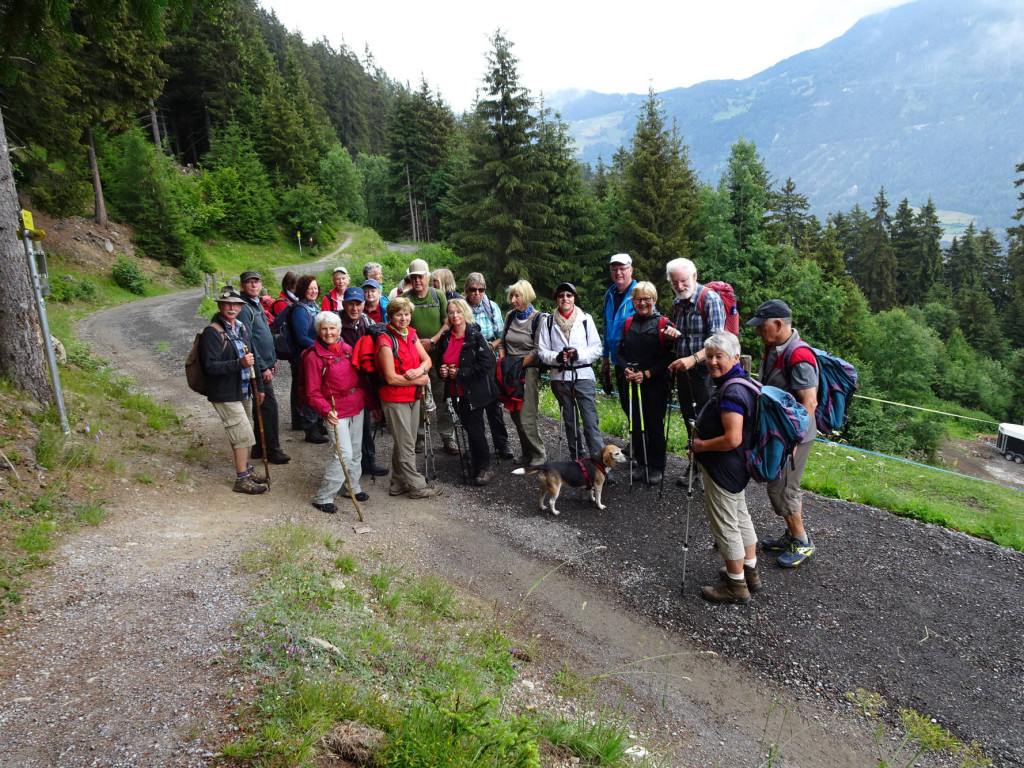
column 569, row 343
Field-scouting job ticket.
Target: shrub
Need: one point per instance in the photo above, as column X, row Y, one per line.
column 68, row 287
column 128, row 275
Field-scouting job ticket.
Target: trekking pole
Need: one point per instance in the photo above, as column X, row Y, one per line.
column 643, row 431
column 259, row 417
column 341, row 460
column 668, row 421
column 457, row 428
column 632, row 453
column 692, row 418
column 689, row 495
column 561, row 406
column 577, row 419
column 428, row 443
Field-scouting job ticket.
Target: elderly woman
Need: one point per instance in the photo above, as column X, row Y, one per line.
column 467, row 367
column 300, row 323
column 724, row 426
column 443, row 280
column 228, row 365
column 643, row 355
column 518, row 347
column 376, row 305
column 332, row 301
column 334, row 390
column 570, row 344
column 487, row 315
column 403, row 365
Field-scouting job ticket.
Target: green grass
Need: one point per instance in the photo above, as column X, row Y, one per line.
column 408, row 655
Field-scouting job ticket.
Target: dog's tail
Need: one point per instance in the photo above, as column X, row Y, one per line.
column 527, row 470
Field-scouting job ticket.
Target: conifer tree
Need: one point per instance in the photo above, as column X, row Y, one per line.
column 659, row 194
column 906, row 248
column 788, row 211
column 963, row 263
column 501, row 220
column 874, row 267
column 929, row 264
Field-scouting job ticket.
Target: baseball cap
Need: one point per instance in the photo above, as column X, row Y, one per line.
column 418, row 267
column 249, row 275
column 339, row 269
column 622, row 258
column 371, row 283
column 566, row 287
column 229, row 295
column 354, row 294
column 771, row 310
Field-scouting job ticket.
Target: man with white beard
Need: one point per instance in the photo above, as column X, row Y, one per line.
column 695, row 320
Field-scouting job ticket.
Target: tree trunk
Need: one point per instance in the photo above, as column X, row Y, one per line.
column 413, row 224
column 155, row 126
column 22, row 361
column 426, row 223
column 100, row 214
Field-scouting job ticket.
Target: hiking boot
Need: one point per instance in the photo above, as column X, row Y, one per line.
column 419, row 445
column 397, row 491
column 639, row 473
column 330, row 508
column 751, row 575
column 655, row 476
column 247, row 485
column 731, row 591
column 450, row 446
column 505, row 453
column 483, row 477
column 362, row 496
column 256, row 477
column 780, row 544
column 797, row 553
column 279, row 457
column 313, row 436
column 426, row 492
column 375, row 470
column 683, row 481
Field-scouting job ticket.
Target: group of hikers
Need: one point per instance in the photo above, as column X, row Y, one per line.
column 361, row 361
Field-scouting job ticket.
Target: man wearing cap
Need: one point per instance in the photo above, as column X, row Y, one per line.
column 788, row 364
column 355, row 325
column 430, row 318
column 227, row 362
column 254, row 319
column 375, row 303
column 335, row 297
column 693, row 382
column 617, row 307
column 568, row 341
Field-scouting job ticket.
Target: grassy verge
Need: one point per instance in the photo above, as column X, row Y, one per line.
column 345, row 644
column 973, row 506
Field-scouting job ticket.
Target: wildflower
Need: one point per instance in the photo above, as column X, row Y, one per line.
column 87, row 429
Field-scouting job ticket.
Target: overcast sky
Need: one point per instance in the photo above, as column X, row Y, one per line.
column 622, row 47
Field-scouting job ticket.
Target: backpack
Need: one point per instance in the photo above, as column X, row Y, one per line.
column 662, row 325
column 780, row 425
column 364, row 353
column 837, row 381
column 732, row 312
column 195, row 376
column 280, row 329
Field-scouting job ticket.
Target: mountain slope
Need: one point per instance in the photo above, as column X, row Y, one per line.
column 923, row 99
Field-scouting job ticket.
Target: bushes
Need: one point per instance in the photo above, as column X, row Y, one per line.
column 128, row 274
column 68, row 287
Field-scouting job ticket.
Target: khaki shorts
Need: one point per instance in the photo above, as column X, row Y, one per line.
column 784, row 493
column 235, row 419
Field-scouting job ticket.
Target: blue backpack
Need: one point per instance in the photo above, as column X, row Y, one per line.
column 780, row 425
column 284, row 341
column 837, row 381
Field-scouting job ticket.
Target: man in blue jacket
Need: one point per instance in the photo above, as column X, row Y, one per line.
column 618, row 305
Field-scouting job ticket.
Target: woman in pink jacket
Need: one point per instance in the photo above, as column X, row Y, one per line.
column 335, row 390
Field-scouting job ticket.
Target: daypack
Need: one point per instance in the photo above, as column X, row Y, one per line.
column 662, row 325
column 195, row 376
column 837, row 381
column 364, row 353
column 780, row 425
column 284, row 342
column 732, row 312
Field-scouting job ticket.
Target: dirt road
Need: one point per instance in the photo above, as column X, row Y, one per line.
column 115, row 662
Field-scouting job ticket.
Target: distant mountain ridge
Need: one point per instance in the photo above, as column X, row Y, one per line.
column 925, row 99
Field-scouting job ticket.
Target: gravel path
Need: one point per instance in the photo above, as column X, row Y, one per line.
column 115, row 658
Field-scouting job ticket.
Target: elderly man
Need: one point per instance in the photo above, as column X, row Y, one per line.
column 254, row 319
column 696, row 322
column 354, row 325
column 430, row 319
column 487, row 315
column 617, row 307
column 788, row 363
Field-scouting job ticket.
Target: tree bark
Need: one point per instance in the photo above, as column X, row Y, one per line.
column 100, row 214
column 413, row 223
column 22, row 361
column 155, row 126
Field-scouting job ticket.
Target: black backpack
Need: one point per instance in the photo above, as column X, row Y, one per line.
column 280, row 329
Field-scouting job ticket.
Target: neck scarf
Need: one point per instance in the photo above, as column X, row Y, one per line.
column 403, row 333
column 525, row 313
column 566, row 323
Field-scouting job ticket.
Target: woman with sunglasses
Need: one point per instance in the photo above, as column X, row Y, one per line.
column 570, row 344
column 642, row 357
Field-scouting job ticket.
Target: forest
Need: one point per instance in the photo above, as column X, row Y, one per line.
column 229, row 126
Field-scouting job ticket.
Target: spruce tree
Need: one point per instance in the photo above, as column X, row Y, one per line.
column 963, row 263
column 874, row 267
column 929, row 264
column 788, row 211
column 906, row 248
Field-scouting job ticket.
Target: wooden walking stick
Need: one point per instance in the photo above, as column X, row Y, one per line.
column 257, row 409
column 348, row 480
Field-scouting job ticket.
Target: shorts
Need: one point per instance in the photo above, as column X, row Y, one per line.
column 235, row 419
column 784, row 493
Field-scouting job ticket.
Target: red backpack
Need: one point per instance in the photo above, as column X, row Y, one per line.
column 732, row 313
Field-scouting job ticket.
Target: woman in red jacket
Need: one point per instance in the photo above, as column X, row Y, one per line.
column 333, row 388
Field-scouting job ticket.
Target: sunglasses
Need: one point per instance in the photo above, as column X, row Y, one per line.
column 565, row 296
column 475, row 290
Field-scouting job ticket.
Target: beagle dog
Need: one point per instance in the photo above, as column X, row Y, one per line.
column 589, row 472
